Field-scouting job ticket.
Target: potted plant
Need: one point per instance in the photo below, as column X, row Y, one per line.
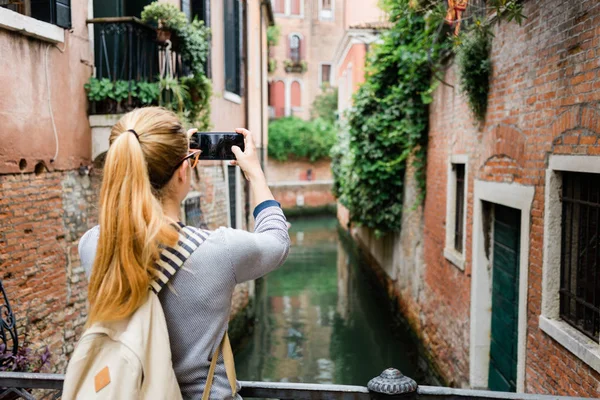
column 25, row 360
column 166, row 17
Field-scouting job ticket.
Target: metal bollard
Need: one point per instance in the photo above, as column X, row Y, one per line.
column 391, row 384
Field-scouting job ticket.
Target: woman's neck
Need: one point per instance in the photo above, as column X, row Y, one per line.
column 171, row 209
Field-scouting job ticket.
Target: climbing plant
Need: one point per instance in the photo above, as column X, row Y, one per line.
column 387, row 126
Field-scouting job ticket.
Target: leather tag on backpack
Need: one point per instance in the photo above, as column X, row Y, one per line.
column 102, row 379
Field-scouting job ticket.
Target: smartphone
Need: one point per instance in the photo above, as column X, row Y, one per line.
column 216, row 145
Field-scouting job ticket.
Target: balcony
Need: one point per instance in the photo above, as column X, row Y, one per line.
column 295, row 66
column 129, row 62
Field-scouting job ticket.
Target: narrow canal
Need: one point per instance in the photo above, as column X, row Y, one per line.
column 318, row 320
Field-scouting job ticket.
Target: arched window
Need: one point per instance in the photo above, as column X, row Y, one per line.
column 295, row 48
column 296, row 95
column 277, row 98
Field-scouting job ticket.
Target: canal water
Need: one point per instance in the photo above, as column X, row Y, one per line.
column 319, row 321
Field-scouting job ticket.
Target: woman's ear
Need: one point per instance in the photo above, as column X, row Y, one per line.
column 182, row 171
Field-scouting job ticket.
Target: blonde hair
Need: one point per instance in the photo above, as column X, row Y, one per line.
column 132, row 224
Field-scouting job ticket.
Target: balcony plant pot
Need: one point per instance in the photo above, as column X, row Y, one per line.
column 162, row 35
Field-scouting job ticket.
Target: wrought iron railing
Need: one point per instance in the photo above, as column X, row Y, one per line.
column 8, row 326
column 128, row 50
column 125, row 49
column 389, row 385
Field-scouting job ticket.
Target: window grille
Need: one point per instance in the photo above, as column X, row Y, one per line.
column 580, row 253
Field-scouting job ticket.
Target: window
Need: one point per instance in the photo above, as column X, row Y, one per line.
column 295, row 7
column 288, row 8
column 580, row 253
column 460, row 207
column 233, row 80
column 296, row 95
column 295, row 48
column 455, row 211
column 279, row 6
column 326, row 10
column 571, row 282
column 277, row 98
column 325, row 74
column 57, row 12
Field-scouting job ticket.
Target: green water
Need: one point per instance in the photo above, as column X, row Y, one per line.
column 318, row 320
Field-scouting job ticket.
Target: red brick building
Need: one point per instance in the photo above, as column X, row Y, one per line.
column 499, row 272
column 51, row 149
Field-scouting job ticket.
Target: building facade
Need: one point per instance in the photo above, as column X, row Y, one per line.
column 498, row 272
column 312, row 38
column 52, row 146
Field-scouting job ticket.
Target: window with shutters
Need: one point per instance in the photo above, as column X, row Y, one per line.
column 325, row 74
column 57, row 12
column 454, row 250
column 232, row 26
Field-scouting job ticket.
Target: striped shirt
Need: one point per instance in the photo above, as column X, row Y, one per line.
column 198, row 305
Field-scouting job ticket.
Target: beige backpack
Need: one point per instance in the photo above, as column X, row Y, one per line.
column 131, row 358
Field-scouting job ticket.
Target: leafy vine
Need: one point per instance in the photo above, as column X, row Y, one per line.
column 387, row 126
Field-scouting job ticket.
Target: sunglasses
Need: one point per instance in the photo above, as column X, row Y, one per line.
column 194, row 155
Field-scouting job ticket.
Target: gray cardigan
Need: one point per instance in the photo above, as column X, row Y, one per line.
column 197, row 309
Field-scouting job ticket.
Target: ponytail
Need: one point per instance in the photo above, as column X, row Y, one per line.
column 132, row 222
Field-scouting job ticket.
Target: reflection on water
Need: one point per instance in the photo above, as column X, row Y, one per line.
column 318, row 320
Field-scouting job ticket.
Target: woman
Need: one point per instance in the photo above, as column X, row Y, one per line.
column 147, row 174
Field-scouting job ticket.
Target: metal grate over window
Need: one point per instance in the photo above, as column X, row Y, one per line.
column 580, row 253
column 459, row 170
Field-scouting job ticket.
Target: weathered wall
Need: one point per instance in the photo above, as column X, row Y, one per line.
column 309, row 195
column 543, row 100
column 42, row 218
column 542, row 81
column 289, row 182
column 296, row 170
column 25, row 123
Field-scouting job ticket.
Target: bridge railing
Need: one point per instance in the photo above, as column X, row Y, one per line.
column 391, row 384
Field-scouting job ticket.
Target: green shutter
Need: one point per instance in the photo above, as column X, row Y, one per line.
column 505, row 300
column 63, row 13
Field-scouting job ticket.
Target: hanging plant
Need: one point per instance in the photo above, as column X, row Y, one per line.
column 475, row 67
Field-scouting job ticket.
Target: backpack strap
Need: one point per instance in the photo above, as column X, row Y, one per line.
column 225, row 348
column 172, row 258
column 170, row 261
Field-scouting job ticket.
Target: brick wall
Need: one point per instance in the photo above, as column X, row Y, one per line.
column 543, row 100
column 42, row 217
column 313, row 195
column 296, row 170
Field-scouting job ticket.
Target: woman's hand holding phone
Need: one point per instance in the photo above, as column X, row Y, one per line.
column 248, row 159
column 250, row 164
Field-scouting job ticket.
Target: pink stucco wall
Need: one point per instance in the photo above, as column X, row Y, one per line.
column 362, row 11
column 26, row 131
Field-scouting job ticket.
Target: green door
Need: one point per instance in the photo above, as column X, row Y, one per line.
column 505, row 299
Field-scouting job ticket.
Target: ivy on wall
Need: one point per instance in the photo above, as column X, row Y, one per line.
column 387, row 126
